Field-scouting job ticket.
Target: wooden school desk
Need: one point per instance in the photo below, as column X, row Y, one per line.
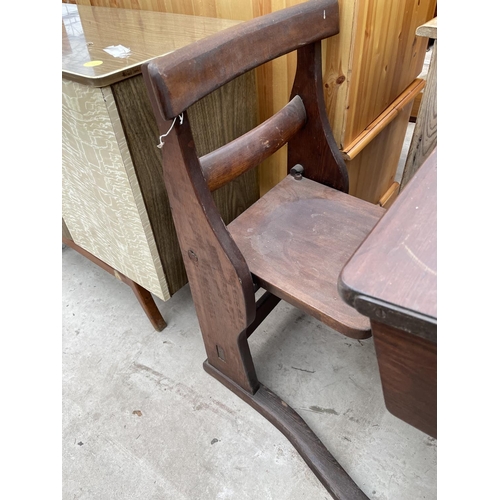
column 392, row 279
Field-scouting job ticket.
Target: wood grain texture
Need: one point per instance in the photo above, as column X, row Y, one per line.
column 331, row 474
column 386, row 57
column 408, row 371
column 366, row 179
column 424, row 138
column 102, row 203
column 313, row 147
column 383, row 120
column 220, row 282
column 296, row 239
column 373, row 59
column 392, row 277
column 204, row 66
column 221, row 117
column 247, row 151
column 390, row 196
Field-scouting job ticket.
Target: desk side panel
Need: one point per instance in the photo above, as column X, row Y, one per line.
column 408, row 371
column 102, row 203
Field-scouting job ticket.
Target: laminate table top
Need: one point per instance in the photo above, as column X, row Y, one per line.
column 103, row 45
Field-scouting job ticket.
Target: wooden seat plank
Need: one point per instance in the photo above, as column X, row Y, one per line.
column 296, row 239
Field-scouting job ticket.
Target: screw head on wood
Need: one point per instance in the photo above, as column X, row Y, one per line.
column 297, row 171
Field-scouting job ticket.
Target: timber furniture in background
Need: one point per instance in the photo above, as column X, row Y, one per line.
column 114, row 203
column 293, row 241
column 424, row 139
column 392, row 279
column 369, row 76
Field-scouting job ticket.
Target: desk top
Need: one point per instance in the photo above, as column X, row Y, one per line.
column 87, row 31
column 392, row 277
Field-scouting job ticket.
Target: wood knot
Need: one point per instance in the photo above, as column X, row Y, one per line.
column 340, row 79
column 192, row 256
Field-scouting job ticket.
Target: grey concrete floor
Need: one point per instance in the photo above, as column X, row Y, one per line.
column 141, row 418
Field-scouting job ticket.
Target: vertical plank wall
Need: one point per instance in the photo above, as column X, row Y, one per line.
column 373, row 59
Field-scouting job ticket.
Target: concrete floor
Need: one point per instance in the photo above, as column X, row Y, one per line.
column 141, row 418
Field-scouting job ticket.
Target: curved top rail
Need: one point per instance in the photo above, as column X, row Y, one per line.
column 190, row 73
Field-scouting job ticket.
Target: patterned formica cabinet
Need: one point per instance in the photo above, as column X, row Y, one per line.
column 102, row 203
column 114, row 202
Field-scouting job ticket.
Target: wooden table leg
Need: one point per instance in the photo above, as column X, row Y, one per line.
column 143, row 296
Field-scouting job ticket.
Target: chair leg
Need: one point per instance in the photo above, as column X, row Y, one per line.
column 333, row 477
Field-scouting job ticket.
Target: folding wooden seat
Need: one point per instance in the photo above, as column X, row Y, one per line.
column 294, row 241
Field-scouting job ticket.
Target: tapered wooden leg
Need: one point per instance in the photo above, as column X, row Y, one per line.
column 147, row 302
column 333, row 477
column 143, row 296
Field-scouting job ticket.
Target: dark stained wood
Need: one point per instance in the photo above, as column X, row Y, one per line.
column 266, row 303
column 141, row 132
column 296, row 239
column 143, row 296
column 392, row 279
column 331, row 474
column 246, row 152
column 408, row 370
column 393, row 276
column 201, row 67
column 292, row 242
column 220, row 282
column 314, row 146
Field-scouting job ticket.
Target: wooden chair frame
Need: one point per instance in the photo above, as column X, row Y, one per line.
column 222, row 284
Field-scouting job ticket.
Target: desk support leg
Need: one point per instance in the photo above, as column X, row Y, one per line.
column 143, row 296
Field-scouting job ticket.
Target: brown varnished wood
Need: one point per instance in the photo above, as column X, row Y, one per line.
column 392, row 279
column 314, row 146
column 198, row 69
column 246, row 152
column 302, row 230
column 408, row 371
column 296, row 239
column 264, row 305
column 331, row 474
column 220, row 282
column 400, row 290
column 143, row 296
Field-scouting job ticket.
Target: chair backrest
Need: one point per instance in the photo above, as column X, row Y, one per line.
column 220, row 281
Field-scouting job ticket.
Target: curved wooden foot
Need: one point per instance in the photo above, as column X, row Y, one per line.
column 333, row 477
